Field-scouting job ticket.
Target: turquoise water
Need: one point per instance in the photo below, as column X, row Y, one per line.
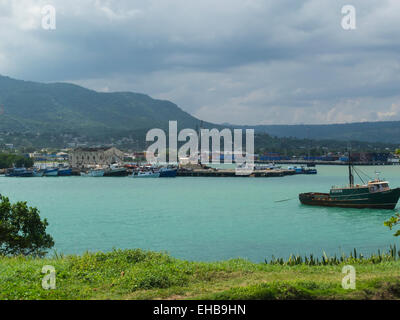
column 203, row 218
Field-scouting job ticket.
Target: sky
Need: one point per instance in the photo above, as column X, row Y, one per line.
column 224, row 61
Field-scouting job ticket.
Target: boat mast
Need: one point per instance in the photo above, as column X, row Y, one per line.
column 351, row 177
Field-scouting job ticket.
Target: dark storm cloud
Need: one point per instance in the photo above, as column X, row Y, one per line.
column 225, row 61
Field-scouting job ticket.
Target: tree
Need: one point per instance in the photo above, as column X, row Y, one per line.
column 393, row 221
column 8, row 160
column 22, row 232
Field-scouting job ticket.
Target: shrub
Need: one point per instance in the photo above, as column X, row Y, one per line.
column 22, row 232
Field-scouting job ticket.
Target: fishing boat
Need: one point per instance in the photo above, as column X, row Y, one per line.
column 303, row 170
column 309, row 171
column 297, row 169
column 19, row 172
column 115, row 171
column 375, row 194
column 62, row 172
column 51, row 172
column 38, row 173
column 168, row 172
column 145, row 174
column 93, row 173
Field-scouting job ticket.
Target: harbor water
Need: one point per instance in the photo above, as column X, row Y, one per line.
column 204, row 219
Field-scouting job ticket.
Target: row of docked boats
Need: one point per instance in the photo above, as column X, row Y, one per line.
column 138, row 172
column 146, row 171
column 296, row 169
column 155, row 172
column 47, row 172
column 113, row 170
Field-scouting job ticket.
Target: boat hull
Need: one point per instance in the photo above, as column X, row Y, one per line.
column 377, row 200
column 26, row 174
column 64, row 172
column 38, row 173
column 51, row 173
column 168, row 173
column 120, row 172
column 93, row 173
column 146, row 175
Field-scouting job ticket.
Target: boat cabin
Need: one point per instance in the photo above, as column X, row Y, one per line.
column 378, row 186
column 371, row 187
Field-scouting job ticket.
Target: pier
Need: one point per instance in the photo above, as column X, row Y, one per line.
column 232, row 173
column 331, row 163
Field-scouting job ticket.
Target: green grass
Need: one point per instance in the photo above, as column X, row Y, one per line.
column 137, row 274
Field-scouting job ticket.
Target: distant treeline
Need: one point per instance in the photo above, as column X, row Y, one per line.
column 8, row 160
column 265, row 143
column 136, row 141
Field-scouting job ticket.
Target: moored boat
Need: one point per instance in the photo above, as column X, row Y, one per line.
column 19, row 172
column 375, row 194
column 145, row 174
column 62, row 172
column 93, row 173
column 115, row 171
column 51, row 172
column 297, row 170
column 303, row 170
column 309, row 171
column 38, row 173
column 168, row 172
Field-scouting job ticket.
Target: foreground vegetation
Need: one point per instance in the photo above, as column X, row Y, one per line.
column 137, row 274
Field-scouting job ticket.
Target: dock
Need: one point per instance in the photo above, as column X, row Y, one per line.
column 232, row 173
column 330, row 163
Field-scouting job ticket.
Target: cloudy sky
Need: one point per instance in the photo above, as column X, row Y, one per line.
column 237, row 61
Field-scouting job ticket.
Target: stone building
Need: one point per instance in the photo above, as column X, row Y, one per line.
column 85, row 157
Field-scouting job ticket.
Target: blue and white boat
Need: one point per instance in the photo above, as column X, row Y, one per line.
column 62, row 172
column 303, row 170
column 51, row 172
column 145, row 174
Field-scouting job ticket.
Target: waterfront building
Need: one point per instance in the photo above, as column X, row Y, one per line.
column 85, row 157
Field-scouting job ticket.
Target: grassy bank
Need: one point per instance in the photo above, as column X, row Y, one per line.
column 136, row 274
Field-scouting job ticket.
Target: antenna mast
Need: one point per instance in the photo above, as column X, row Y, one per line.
column 351, row 177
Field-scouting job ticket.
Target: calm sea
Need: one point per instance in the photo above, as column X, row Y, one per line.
column 204, row 218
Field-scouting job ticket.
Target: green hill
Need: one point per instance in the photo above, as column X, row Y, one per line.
column 63, row 107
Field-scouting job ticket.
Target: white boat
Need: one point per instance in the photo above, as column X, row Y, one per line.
column 93, row 173
column 145, row 174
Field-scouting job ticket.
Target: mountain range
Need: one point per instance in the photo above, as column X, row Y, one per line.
column 27, row 106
